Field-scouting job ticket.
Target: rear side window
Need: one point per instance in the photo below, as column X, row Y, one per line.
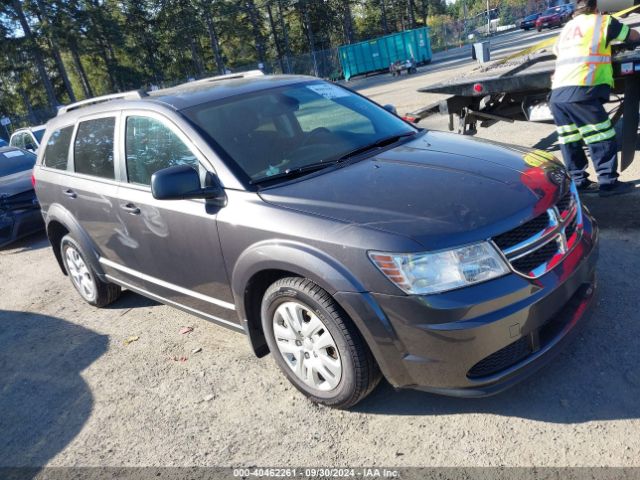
column 151, row 146
column 93, row 148
column 57, row 150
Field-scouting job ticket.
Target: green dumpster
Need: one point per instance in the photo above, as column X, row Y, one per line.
column 377, row 54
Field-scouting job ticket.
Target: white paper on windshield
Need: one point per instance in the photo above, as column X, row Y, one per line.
column 328, row 91
column 13, row 153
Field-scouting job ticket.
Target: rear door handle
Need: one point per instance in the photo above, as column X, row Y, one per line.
column 131, row 209
column 70, row 193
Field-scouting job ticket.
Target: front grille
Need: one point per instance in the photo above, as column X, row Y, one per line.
column 523, row 232
column 502, row 359
column 565, row 203
column 531, row 247
column 537, row 258
column 571, row 228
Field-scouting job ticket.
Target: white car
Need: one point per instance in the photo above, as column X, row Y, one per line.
column 28, row 138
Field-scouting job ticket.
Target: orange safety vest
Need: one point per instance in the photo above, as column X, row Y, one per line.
column 584, row 56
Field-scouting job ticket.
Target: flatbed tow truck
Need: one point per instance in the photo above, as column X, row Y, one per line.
column 517, row 88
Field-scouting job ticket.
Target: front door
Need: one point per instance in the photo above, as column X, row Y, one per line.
column 169, row 248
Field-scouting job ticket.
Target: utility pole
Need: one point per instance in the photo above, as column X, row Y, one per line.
column 488, row 20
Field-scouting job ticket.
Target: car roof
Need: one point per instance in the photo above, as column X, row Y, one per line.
column 29, row 129
column 177, row 98
column 196, row 93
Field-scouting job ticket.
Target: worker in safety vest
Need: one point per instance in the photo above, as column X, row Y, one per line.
column 581, row 85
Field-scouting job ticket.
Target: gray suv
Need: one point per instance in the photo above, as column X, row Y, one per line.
column 345, row 241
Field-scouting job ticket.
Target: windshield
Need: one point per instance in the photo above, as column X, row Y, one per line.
column 551, row 11
column 14, row 161
column 275, row 131
column 533, row 16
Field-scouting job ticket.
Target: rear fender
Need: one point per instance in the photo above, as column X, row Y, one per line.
column 57, row 213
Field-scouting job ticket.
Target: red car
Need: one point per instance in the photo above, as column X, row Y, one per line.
column 552, row 17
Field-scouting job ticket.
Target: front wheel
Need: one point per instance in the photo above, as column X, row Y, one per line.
column 316, row 345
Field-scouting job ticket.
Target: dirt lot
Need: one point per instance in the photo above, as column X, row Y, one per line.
column 72, row 393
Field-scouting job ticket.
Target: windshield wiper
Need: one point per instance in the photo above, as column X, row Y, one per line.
column 383, row 142
column 296, row 172
column 313, row 167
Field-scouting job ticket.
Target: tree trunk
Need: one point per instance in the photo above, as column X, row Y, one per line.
column 383, row 11
column 27, row 104
column 213, row 38
column 44, row 20
column 63, row 71
column 257, row 34
column 84, row 80
column 347, row 21
column 195, row 57
column 37, row 54
column 411, row 8
column 287, row 49
column 275, row 38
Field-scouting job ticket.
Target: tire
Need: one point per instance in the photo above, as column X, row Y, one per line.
column 84, row 279
column 330, row 338
column 539, row 29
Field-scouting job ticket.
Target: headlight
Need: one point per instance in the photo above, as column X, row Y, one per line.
column 424, row 273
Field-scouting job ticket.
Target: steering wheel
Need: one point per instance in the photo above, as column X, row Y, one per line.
column 316, row 132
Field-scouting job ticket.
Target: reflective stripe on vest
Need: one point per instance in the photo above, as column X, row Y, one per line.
column 584, row 58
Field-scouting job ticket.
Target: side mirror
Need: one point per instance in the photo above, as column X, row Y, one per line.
column 31, row 147
column 183, row 182
column 390, row 108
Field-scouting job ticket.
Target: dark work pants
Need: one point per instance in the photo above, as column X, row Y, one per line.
column 588, row 122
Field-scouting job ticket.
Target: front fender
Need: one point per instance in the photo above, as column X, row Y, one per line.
column 293, row 257
column 57, row 213
column 305, row 261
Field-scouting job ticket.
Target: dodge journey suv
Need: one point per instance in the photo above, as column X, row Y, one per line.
column 341, row 239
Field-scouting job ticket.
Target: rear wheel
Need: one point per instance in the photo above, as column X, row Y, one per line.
column 93, row 290
column 316, row 345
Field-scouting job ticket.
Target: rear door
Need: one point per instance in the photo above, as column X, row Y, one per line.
column 91, row 187
column 168, row 248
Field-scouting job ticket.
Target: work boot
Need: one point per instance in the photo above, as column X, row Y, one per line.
column 587, row 186
column 617, row 188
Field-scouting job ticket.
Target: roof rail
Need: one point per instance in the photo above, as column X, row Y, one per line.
column 229, row 76
column 131, row 95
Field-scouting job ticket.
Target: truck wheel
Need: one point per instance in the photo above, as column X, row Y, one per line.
column 316, row 345
column 93, row 290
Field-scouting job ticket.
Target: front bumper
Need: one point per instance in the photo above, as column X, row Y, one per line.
column 17, row 224
column 482, row 339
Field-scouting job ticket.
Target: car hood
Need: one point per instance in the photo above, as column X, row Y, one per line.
column 439, row 189
column 15, row 184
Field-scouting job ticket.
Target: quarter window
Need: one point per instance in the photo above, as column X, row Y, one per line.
column 57, row 150
column 151, row 146
column 93, row 148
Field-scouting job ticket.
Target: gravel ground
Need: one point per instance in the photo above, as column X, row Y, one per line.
column 73, row 393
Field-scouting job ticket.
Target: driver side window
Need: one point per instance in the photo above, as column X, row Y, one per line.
column 151, row 146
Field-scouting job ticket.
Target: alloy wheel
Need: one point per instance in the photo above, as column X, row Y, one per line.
column 307, row 347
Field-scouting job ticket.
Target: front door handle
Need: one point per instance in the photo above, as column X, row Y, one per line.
column 131, row 209
column 70, row 193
